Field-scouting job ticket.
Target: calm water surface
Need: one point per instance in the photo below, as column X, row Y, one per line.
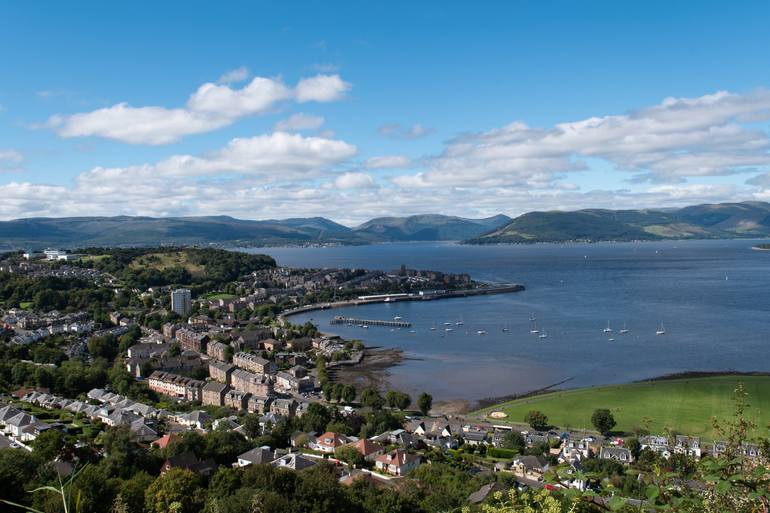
column 712, row 297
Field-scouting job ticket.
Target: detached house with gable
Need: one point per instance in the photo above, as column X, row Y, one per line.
column 397, row 462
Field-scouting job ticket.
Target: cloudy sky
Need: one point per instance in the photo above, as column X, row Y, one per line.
column 352, row 110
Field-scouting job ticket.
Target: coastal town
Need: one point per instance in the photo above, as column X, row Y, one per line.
column 180, row 366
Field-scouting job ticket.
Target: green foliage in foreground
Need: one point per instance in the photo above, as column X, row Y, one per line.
column 682, row 405
column 126, row 480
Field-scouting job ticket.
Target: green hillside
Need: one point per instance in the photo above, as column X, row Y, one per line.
column 428, row 227
column 711, row 221
column 684, row 405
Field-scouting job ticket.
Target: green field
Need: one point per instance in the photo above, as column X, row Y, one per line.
column 684, row 405
column 216, row 296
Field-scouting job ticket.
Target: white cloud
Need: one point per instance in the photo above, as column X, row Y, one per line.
column 210, row 107
column 353, row 181
column 677, row 151
column 234, row 76
column 388, row 162
column 10, row 159
column 321, row 88
column 299, row 122
column 223, row 101
column 397, row 131
column 679, row 138
column 275, row 157
column 136, row 125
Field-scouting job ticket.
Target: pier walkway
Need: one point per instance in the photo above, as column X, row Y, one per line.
column 370, row 322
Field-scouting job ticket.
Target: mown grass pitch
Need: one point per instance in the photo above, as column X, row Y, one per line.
column 684, row 405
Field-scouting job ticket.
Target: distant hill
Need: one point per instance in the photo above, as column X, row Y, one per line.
column 147, row 231
column 428, row 227
column 71, row 232
column 723, row 220
column 708, row 221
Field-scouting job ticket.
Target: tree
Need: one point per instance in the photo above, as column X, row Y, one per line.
column 320, row 365
column 337, row 391
column 251, row 427
column 372, row 398
column 603, row 420
column 93, row 490
column 132, row 491
column 225, row 482
column 328, row 391
column 398, row 400
column 349, row 394
column 514, row 440
column 536, row 419
column 176, row 490
column 48, row 445
column 122, row 456
column 225, row 446
column 17, row 472
column 349, row 455
column 316, row 417
column 103, row 346
column 425, row 402
column 633, row 445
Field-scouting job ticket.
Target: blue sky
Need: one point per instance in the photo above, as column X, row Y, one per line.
column 395, row 107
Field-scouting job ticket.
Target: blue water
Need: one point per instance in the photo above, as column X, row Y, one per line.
column 713, row 297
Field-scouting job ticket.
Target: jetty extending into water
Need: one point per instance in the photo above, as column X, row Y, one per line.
column 339, row 319
column 395, row 297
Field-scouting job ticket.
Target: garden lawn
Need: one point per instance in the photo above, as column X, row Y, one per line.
column 214, row 297
column 684, row 405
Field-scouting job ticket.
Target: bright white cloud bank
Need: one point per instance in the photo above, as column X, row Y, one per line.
column 674, row 153
column 679, row 138
column 210, row 107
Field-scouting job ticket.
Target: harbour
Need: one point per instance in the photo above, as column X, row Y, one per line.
column 572, row 290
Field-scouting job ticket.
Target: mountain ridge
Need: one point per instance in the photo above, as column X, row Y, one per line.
column 70, row 232
column 704, row 221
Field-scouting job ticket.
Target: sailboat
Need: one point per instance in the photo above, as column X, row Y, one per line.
column 661, row 330
column 460, row 322
column 534, row 329
column 624, row 330
column 543, row 334
column 608, row 329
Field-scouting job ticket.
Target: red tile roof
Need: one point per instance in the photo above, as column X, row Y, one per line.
column 163, row 441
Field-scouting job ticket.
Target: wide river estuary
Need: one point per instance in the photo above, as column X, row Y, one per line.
column 712, row 298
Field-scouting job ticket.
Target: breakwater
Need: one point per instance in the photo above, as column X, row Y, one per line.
column 392, row 298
